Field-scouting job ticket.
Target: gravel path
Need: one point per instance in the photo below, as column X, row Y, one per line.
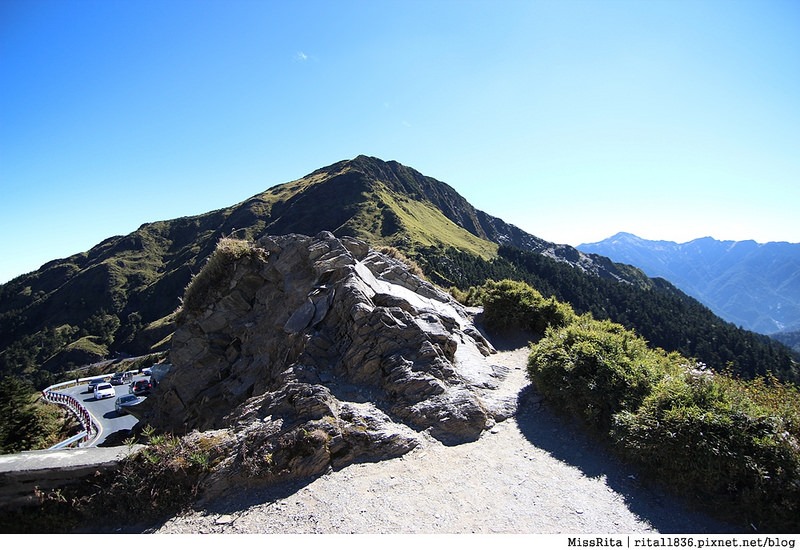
column 529, row 474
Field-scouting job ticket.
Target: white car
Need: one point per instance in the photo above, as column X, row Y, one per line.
column 103, row 390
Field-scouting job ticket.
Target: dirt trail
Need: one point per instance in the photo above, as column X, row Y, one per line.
column 529, row 474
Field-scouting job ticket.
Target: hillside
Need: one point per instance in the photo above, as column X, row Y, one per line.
column 790, row 339
column 121, row 296
column 756, row 286
column 297, row 361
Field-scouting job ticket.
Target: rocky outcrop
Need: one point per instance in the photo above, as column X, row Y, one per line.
column 308, row 353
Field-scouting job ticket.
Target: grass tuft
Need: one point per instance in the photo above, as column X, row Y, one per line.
column 220, row 263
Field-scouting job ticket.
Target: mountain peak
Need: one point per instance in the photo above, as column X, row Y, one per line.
column 366, row 164
column 144, row 273
column 624, row 236
column 621, row 237
column 752, row 285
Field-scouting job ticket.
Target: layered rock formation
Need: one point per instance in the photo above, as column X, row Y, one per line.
column 303, row 353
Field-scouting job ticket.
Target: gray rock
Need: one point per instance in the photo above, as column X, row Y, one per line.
column 319, row 352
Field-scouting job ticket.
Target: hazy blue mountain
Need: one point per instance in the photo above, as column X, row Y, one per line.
column 754, row 285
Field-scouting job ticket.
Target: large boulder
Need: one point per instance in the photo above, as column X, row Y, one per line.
column 314, row 352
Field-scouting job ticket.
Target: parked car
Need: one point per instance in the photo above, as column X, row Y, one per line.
column 128, row 400
column 94, row 382
column 121, row 378
column 103, row 390
column 147, row 371
column 141, row 387
column 158, row 372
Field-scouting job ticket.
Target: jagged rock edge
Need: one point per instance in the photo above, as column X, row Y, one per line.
column 319, row 352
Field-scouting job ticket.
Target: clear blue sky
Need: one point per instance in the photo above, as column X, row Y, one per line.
column 572, row 120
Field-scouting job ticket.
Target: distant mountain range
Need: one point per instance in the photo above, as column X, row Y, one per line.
column 755, row 286
column 122, row 295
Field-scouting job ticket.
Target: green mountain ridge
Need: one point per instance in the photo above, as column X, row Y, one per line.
column 121, row 295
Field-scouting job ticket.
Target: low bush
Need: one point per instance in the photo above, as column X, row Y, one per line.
column 509, row 304
column 471, row 297
column 711, row 435
column 595, row 369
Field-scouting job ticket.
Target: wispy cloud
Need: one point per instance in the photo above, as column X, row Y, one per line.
column 301, row 56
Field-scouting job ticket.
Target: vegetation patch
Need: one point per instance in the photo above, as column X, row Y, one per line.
column 219, row 265
column 91, row 345
column 159, row 480
column 713, row 436
column 425, row 225
column 27, row 421
column 386, row 218
column 413, row 267
column 515, row 305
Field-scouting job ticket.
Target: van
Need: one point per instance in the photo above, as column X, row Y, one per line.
column 121, row 378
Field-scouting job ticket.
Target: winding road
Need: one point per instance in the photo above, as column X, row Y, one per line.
column 106, row 418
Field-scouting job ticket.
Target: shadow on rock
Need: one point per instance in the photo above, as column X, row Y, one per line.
column 564, row 440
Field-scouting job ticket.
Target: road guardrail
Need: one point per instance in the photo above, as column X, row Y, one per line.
column 90, row 429
column 81, row 413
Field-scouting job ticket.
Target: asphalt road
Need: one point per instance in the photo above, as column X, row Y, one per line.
column 102, row 410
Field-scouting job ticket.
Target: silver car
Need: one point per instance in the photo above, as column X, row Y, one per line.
column 125, row 401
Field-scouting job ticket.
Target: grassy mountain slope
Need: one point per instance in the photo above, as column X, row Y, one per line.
column 124, row 291
column 121, row 295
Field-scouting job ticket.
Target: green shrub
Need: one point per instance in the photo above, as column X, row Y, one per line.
column 595, row 369
column 472, row 297
column 509, row 304
column 709, row 435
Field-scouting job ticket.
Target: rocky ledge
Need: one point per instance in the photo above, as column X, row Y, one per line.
column 301, row 354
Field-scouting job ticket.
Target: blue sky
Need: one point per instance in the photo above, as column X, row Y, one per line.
column 572, row 120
